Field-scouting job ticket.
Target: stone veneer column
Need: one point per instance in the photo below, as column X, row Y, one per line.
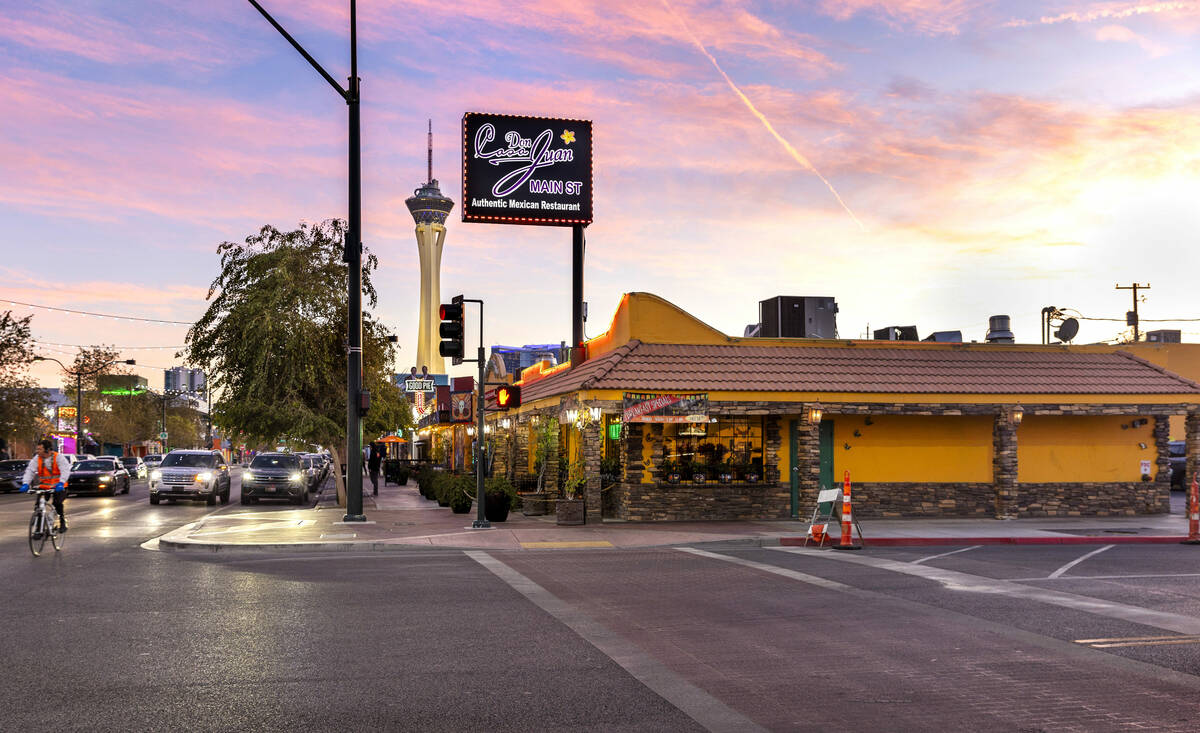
column 592, row 448
column 1004, row 464
column 1192, row 447
column 808, row 459
column 551, row 483
column 773, row 440
column 631, row 460
column 1162, row 463
column 520, row 467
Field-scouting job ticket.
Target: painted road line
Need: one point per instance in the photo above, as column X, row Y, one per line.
column 1138, row 638
column 774, row 569
column 953, row 580
column 700, row 706
column 1112, row 577
column 560, row 545
column 1146, row 643
column 945, row 554
column 1058, row 573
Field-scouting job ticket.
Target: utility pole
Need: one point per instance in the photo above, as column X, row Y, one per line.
column 1131, row 318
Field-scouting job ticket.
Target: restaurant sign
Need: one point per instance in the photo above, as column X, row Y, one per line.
column 663, row 408
column 418, row 385
column 526, row 170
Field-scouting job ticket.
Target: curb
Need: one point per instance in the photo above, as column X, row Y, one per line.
column 944, row 541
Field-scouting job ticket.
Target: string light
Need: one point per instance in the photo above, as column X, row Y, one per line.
column 101, row 315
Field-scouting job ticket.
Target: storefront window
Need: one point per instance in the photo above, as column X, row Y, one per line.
column 734, row 444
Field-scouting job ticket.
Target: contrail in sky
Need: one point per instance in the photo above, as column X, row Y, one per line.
column 796, row 154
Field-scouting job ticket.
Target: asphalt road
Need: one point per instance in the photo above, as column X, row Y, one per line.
column 107, row 635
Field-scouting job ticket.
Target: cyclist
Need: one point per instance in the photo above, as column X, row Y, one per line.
column 51, row 469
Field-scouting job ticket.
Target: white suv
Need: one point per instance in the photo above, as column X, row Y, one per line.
column 191, row 474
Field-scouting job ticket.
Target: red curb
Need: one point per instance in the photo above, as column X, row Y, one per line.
column 934, row 541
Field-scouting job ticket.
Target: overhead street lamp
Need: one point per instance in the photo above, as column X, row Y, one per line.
column 79, row 375
column 352, row 256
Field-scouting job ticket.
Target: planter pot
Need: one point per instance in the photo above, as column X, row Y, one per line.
column 570, row 511
column 496, row 507
column 726, row 478
column 533, row 504
column 673, row 478
column 700, row 477
column 461, row 507
column 443, row 503
column 752, row 478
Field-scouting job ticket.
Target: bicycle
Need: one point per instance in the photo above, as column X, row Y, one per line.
column 44, row 524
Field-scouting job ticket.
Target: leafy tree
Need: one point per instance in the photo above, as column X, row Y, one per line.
column 22, row 403
column 273, row 341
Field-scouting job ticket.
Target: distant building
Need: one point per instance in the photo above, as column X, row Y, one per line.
column 517, row 358
column 182, row 379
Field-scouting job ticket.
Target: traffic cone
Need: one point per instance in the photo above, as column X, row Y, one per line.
column 1193, row 537
column 847, row 542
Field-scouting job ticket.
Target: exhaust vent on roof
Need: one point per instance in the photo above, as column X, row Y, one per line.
column 998, row 330
column 896, row 333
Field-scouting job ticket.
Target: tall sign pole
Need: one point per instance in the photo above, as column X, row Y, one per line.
column 577, row 248
column 352, row 256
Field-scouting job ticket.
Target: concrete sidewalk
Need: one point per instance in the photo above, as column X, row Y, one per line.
column 401, row 519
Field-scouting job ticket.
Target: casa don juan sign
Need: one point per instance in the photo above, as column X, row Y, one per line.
column 526, row 170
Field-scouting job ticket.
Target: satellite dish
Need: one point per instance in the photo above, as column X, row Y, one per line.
column 1068, row 330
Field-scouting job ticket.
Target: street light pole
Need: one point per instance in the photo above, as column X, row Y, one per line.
column 352, row 256
column 79, row 392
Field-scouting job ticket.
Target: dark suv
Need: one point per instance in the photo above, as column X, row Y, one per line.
column 275, row 476
column 191, row 474
column 1177, row 454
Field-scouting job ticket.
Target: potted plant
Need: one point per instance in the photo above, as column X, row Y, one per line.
column 670, row 470
column 570, row 508
column 460, row 498
column 726, row 470
column 443, row 487
column 498, row 494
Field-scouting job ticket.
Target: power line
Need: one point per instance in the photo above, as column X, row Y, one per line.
column 107, row 346
column 101, row 315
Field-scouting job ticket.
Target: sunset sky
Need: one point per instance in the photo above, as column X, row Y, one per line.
column 990, row 157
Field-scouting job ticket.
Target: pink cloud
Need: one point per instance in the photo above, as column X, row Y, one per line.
column 1089, row 12
column 924, row 16
column 1121, row 34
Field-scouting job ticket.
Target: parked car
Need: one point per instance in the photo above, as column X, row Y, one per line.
column 104, row 476
column 1177, row 455
column 136, row 467
column 191, row 474
column 152, row 461
column 275, row 476
column 11, row 474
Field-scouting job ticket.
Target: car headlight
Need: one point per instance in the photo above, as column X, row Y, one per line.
column 106, row 477
column 247, row 476
column 296, row 476
column 155, row 475
column 204, row 476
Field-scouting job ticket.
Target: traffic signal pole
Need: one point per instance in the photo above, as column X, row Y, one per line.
column 453, row 335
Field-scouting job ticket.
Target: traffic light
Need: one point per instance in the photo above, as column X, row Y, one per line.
column 508, row 396
column 451, row 331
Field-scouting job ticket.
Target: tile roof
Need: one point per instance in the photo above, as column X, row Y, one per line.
column 959, row 370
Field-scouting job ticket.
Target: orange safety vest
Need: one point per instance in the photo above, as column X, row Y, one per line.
column 47, row 478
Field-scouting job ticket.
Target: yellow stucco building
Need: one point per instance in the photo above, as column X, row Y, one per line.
column 668, row 418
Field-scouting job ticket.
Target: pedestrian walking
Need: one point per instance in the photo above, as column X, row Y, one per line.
column 373, row 464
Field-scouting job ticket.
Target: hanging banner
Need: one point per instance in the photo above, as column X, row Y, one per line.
column 461, row 404
column 526, row 170
column 664, row 408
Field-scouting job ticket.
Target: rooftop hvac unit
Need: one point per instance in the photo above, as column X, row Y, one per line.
column 896, row 333
column 789, row 316
column 945, row 337
column 1165, row 336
